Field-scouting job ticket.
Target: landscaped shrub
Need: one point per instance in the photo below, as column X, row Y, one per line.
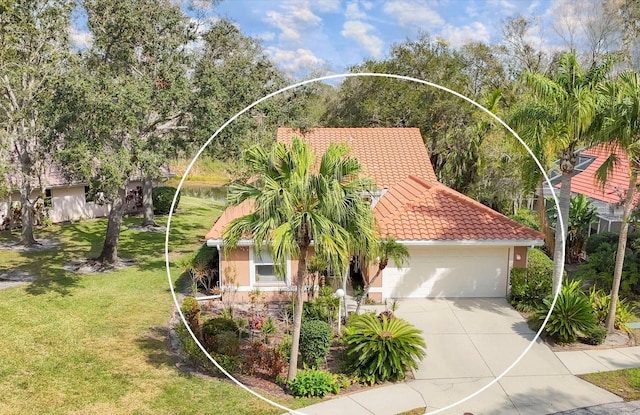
column 191, row 310
column 599, row 267
column 597, row 335
column 227, row 343
column 211, row 329
column 315, row 341
column 324, row 308
column 381, row 350
column 571, row 315
column 531, row 285
column 313, row 382
column 162, row 199
column 219, row 324
column 610, row 238
column 527, row 217
column 600, row 303
column 191, row 350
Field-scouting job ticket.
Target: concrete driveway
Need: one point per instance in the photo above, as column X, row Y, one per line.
column 469, row 343
column 472, row 341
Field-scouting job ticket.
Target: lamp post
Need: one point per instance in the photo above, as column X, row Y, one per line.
column 340, row 295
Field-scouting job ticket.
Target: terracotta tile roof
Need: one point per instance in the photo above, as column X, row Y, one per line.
column 416, row 210
column 614, row 189
column 229, row 214
column 415, row 207
column 388, row 155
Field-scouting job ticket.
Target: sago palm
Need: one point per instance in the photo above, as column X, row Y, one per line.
column 297, row 203
column 621, row 125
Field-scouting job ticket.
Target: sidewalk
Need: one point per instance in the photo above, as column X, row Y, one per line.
column 394, row 399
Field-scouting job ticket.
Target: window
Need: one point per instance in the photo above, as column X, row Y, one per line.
column 47, row 198
column 263, row 268
column 87, row 194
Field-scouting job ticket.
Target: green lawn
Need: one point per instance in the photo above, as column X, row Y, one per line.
column 624, row 383
column 85, row 344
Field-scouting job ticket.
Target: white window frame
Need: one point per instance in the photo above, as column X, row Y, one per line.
column 254, row 261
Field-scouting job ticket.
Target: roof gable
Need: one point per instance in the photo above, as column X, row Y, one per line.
column 416, row 210
column 387, row 155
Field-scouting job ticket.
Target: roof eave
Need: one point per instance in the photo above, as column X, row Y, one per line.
column 474, row 242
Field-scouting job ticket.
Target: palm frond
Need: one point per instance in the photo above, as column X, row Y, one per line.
column 606, row 169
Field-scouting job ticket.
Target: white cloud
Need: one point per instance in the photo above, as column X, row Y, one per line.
column 266, row 36
column 80, row 39
column 327, row 5
column 353, row 11
column 504, row 5
column 413, row 13
column 359, row 31
column 294, row 61
column 367, row 5
column 295, row 18
column 458, row 36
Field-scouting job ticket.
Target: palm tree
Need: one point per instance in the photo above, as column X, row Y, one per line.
column 387, row 249
column 534, row 122
column 621, row 122
column 294, row 207
column 568, row 96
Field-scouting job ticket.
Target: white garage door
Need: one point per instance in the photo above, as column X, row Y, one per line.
column 449, row 272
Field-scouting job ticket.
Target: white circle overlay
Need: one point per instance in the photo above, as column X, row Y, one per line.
column 352, row 75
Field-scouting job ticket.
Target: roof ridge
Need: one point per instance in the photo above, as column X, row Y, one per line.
column 411, row 202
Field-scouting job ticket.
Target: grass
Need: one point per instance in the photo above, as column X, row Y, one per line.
column 89, row 344
column 204, row 172
column 624, row 383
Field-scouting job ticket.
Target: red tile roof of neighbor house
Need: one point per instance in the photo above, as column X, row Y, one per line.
column 416, row 206
column 229, row 214
column 387, row 155
column 416, row 210
column 614, row 190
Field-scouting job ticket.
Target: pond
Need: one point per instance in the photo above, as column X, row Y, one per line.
column 217, row 193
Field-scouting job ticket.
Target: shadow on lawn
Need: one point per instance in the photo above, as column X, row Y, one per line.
column 157, row 348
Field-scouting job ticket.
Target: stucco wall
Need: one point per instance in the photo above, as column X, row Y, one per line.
column 520, row 252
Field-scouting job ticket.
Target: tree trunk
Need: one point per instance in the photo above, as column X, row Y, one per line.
column 567, row 163
column 297, row 313
column 26, row 238
column 147, row 203
column 109, row 254
column 622, row 246
column 541, row 209
column 367, row 288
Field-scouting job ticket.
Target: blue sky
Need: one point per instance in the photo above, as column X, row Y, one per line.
column 305, row 37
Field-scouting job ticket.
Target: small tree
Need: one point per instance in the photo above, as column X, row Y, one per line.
column 387, row 249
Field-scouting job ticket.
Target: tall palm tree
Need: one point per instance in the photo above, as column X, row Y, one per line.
column 295, row 207
column 621, row 123
column 568, row 96
column 387, row 249
column 534, row 122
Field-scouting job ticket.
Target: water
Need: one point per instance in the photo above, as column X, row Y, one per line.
column 219, row 194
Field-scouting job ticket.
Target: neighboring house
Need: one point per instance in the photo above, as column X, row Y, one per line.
column 607, row 198
column 458, row 247
column 69, row 200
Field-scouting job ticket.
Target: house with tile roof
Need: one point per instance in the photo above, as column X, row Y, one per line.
column 608, row 198
column 457, row 246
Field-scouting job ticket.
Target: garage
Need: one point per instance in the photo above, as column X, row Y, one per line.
column 449, row 271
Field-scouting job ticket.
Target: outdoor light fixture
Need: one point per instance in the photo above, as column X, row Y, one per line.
column 340, row 294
